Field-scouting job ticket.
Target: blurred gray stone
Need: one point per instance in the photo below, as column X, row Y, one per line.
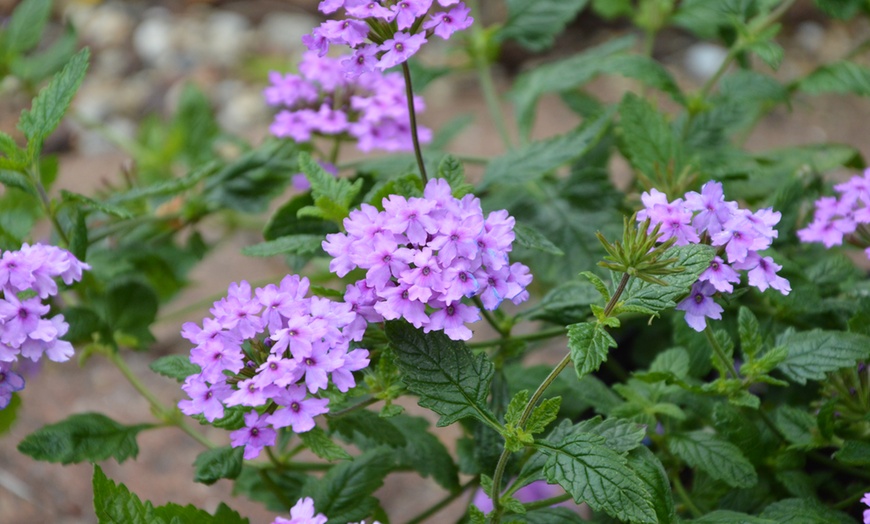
column 152, row 39
column 284, row 31
column 703, row 59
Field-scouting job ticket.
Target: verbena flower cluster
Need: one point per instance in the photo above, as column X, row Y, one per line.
column 303, row 513
column 838, row 217
column 385, row 33
column 323, row 101
column 276, row 349
column 27, row 280
column 422, row 256
column 866, row 500
column 740, row 235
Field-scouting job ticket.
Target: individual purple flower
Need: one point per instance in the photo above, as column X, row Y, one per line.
column 254, row 436
column 447, row 23
column 10, row 382
column 721, row 275
column 452, row 319
column 302, row 513
column 866, row 500
column 298, row 411
column 699, row 306
column 399, row 49
column 205, row 399
column 532, row 492
column 762, row 273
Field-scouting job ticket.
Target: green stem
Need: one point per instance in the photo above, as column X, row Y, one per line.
column 685, row 497
column 46, row 202
column 351, row 409
column 333, row 152
column 409, row 93
column 167, row 415
column 496, row 325
column 490, row 96
column 441, row 504
column 852, row 499
column 530, row 406
column 539, row 335
column 727, row 362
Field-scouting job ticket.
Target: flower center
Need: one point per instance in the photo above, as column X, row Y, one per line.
column 295, row 407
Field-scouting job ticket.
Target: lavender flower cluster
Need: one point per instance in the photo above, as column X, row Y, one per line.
column 27, row 280
column 383, row 33
column 275, row 348
column 837, row 217
column 422, row 256
column 303, row 513
column 740, row 235
column 371, row 108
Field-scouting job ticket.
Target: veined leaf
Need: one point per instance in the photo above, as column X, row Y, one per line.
column 837, row 77
column 803, row 511
column 718, row 458
column 289, row 245
column 812, row 354
column 83, row 437
column 177, row 367
column 589, row 344
column 449, row 379
column 219, row 463
column 534, row 24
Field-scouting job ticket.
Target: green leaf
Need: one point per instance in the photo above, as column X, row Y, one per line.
column 531, row 238
column 842, row 9
column 804, row 511
column 812, row 354
column 9, row 414
column 219, row 463
column 515, row 408
column 344, row 493
column 561, row 76
column 566, row 304
column 543, row 415
column 653, row 298
column 718, row 458
column 321, row 445
column 750, row 337
column 177, row 367
column 131, row 308
column 837, row 77
column 651, row 472
column 766, row 49
column 853, row 452
column 109, row 209
column 648, row 140
column 645, row 70
column 51, row 103
column 366, row 426
column 723, row 516
column 531, row 162
column 450, row 380
column 589, row 344
column 35, row 67
column 674, row 361
column 24, row 28
column 796, row 425
column 421, row 443
column 286, row 222
column 332, row 196
column 451, row 170
column 621, row 435
column 534, row 24
column 290, row 245
column 610, row 9
column 549, row 516
column 593, row 473
column 257, row 484
column 83, row 437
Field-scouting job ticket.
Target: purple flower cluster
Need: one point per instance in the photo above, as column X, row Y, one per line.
column 837, row 217
column 866, row 500
column 273, row 348
column 706, row 217
column 303, row 513
column 27, row 279
column 323, row 101
column 422, row 256
column 384, row 34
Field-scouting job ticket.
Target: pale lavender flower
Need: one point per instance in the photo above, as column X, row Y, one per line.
column 10, row 382
column 866, row 500
column 699, row 306
column 298, row 411
column 254, row 436
column 303, row 513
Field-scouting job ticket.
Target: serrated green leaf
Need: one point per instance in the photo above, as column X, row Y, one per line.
column 566, row 304
column 286, row 222
column 549, row 516
column 332, row 196
column 366, row 426
column 560, row 76
column 531, row 162
column 796, row 425
column 515, row 408
column 766, row 49
column 747, row 328
column 344, row 493
column 803, row 511
column 534, row 24
column 321, row 445
column 451, row 170
column 51, row 103
column 83, row 437
column 422, row 443
column 718, row 458
column 450, row 380
column 837, row 77
column 596, row 281
column 177, row 367
column 106, row 208
column 811, row 354
column 531, row 238
column 647, row 139
column 674, row 360
column 589, row 344
column 114, row 504
column 219, row 463
column 597, row 475
column 24, row 28
column 651, row 472
column 694, row 259
column 289, row 245
column 722, row 516
column 543, row 415
column 854, row 453
column 620, row 435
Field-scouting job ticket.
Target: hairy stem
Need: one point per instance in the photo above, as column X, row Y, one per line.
column 409, row 93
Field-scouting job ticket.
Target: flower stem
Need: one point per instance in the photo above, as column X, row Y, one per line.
column 685, row 497
column 727, row 362
column 530, row 406
column 409, row 93
column 441, row 504
column 546, row 503
column 160, row 411
column 538, row 335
